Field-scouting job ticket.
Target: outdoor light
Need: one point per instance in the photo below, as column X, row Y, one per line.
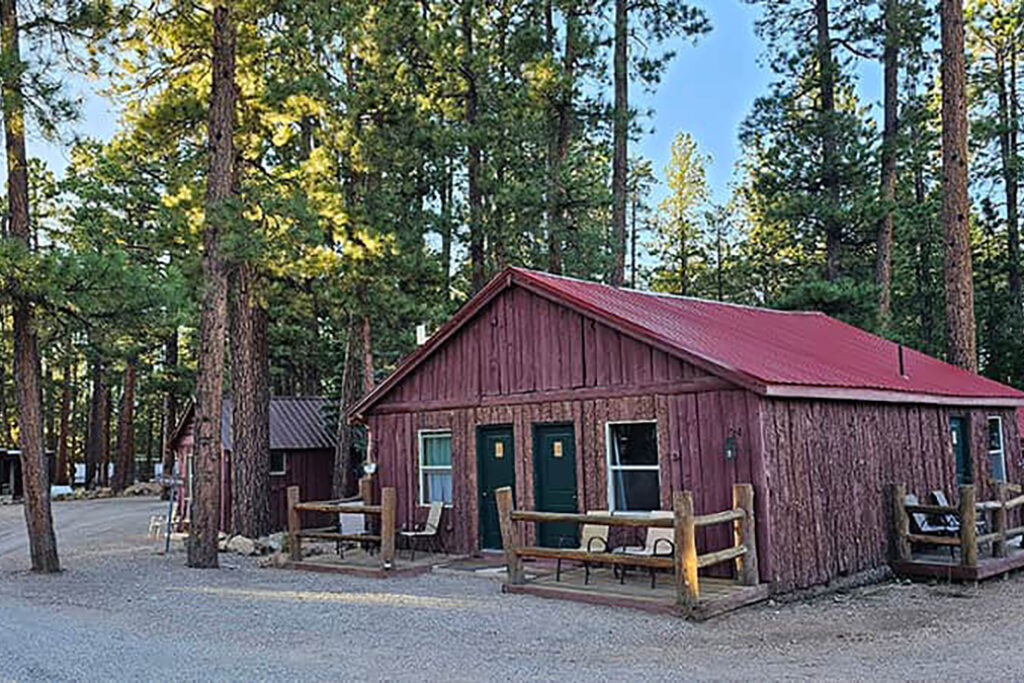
column 730, row 447
column 369, row 469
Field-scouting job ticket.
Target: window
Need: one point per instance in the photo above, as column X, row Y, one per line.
column 435, row 467
column 277, row 462
column 996, row 453
column 633, row 467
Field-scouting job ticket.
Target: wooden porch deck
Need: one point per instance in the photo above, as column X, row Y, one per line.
column 718, row 596
column 935, row 564
column 980, row 545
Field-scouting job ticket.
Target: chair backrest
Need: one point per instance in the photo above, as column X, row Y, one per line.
column 938, row 497
column 434, row 517
column 590, row 532
column 656, row 536
column 918, row 519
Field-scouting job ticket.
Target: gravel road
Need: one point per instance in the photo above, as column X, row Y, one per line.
column 121, row 612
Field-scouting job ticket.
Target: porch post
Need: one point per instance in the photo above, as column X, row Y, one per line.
column 968, row 527
column 999, row 545
column 509, row 537
column 387, row 526
column 294, row 524
column 687, row 587
column 744, row 534
column 900, row 523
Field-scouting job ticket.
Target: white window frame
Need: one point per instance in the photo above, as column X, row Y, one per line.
column 284, row 466
column 421, row 469
column 1002, row 445
column 627, row 468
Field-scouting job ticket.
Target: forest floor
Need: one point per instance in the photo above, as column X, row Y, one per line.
column 120, row 611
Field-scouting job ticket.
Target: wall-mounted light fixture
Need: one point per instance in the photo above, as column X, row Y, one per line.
column 730, row 447
column 369, row 469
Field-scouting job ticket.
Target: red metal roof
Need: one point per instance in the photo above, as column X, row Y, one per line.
column 776, row 349
column 774, row 353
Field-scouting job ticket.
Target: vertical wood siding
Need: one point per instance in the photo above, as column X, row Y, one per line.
column 522, row 343
column 829, row 463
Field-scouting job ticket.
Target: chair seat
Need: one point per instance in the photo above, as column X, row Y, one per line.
column 417, row 533
column 634, row 550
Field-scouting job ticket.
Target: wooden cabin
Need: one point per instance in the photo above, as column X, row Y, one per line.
column 585, row 397
column 301, row 453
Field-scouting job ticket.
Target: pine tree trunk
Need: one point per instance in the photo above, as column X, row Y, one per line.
column 61, row 468
column 95, row 430
column 620, row 142
column 473, row 155
column 1007, row 92
column 960, row 325
column 367, row 344
column 34, row 470
column 125, row 429
column 343, row 483
column 104, row 439
column 169, row 420
column 5, row 427
column 447, row 231
column 884, row 236
column 220, row 183
column 250, row 423
column 830, row 176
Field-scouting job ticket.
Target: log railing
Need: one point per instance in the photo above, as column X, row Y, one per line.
column 966, row 512
column 385, row 511
column 684, row 563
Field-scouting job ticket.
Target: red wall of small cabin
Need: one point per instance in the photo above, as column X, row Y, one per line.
column 310, row 470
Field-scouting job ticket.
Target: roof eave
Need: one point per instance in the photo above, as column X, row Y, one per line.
column 888, row 396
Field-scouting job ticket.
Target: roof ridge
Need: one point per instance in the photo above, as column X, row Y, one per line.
column 666, row 295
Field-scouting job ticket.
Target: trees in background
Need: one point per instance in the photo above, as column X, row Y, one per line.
column 388, row 157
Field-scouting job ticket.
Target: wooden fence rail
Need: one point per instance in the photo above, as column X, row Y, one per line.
column 966, row 512
column 684, row 562
column 385, row 511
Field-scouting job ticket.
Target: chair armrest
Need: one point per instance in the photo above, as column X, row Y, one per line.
column 671, row 546
column 603, row 543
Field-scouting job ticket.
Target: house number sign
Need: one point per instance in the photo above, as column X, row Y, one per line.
column 499, row 450
column 558, row 449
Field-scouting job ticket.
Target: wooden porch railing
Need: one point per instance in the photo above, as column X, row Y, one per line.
column 968, row 539
column 385, row 511
column 684, row 562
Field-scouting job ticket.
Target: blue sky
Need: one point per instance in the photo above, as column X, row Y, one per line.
column 707, row 91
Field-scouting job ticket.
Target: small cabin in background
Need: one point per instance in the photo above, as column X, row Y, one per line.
column 583, row 397
column 302, row 440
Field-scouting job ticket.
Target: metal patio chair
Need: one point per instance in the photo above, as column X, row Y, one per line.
column 593, row 538
column 430, row 532
column 658, row 542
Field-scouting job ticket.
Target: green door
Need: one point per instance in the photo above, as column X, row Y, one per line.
column 496, row 458
column 554, row 480
column 961, row 450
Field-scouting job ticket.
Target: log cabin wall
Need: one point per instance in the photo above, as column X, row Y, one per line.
column 828, row 465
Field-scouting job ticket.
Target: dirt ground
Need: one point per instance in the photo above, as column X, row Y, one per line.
column 121, row 611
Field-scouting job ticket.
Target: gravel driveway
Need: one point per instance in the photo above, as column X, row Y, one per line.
column 122, row 612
